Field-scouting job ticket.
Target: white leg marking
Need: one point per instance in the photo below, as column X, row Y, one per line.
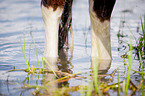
column 100, row 36
column 51, row 21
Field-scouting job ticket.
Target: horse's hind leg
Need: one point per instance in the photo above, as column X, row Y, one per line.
column 100, row 13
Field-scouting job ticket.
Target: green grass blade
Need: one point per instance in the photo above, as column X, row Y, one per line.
column 144, row 22
column 142, row 26
column 95, row 63
column 119, row 90
column 43, row 67
column 129, row 67
column 36, row 52
column 89, row 88
column 49, row 65
column 29, row 54
column 140, row 57
column 24, row 54
column 95, row 73
column 82, row 90
column 37, row 57
column 142, row 74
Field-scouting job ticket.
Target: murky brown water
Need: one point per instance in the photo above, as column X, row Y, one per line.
column 19, row 17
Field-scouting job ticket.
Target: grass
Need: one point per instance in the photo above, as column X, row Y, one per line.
column 37, row 56
column 140, row 46
column 45, row 60
column 119, row 90
column 94, row 86
column 129, row 67
column 89, row 88
column 141, row 55
column 24, row 54
column 32, row 69
column 95, row 74
column 143, row 92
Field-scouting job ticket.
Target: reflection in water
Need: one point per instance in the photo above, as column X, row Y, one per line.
column 62, row 64
column 49, row 76
column 103, row 65
column 15, row 20
column 52, row 62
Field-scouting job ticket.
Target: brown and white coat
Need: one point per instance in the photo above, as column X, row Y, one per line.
column 57, row 19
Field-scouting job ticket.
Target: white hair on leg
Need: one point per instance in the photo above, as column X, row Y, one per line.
column 51, row 19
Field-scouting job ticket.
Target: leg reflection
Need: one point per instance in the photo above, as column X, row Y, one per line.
column 63, row 64
column 101, row 64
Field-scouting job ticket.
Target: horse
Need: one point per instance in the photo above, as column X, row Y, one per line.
column 57, row 21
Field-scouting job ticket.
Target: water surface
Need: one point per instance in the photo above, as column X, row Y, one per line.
column 21, row 19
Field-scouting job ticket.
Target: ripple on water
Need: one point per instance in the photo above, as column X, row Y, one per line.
column 24, row 16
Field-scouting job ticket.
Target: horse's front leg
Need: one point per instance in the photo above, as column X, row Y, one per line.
column 51, row 13
column 100, row 13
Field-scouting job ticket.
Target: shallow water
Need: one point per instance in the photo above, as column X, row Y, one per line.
column 21, row 18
